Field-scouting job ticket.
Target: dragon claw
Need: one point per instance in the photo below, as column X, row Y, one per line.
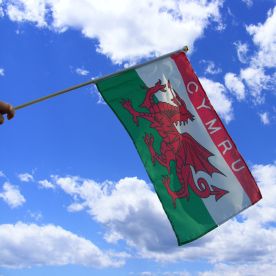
column 126, row 103
column 158, row 82
column 166, row 181
column 161, row 87
column 135, row 120
column 149, row 139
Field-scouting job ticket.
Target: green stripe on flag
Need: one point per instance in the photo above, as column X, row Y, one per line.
column 190, row 219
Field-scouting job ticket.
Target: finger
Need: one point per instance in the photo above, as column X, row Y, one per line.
column 11, row 112
column 4, row 107
column 1, row 119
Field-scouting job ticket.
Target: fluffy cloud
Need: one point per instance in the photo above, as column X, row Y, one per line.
column 12, row 196
column 265, row 211
column 140, row 222
column 256, row 75
column 235, row 85
column 241, row 270
column 211, row 67
column 25, row 177
column 76, row 207
column 2, row 71
column 249, row 3
column 46, row 184
column 264, row 36
column 82, row 72
column 2, row 174
column 142, row 29
column 264, row 118
column 28, row 10
column 165, row 273
column 217, row 95
column 252, row 250
column 37, row 216
column 257, row 81
column 27, row 245
column 242, row 50
column 1, row 10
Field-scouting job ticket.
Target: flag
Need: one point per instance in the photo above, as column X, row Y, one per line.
column 197, row 172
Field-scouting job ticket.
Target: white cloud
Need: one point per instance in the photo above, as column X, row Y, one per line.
column 27, row 245
column 147, row 273
column 96, row 93
column 142, row 29
column 256, row 77
column 25, row 177
column 12, row 196
column 265, row 211
column 1, row 9
column 2, row 174
column 235, row 85
column 257, row 81
column 140, row 222
column 242, row 50
column 28, row 10
column 264, row 118
column 211, row 67
column 164, row 273
column 264, row 36
column 256, row 237
column 37, row 216
column 176, row 273
column 82, row 72
column 100, row 99
column 46, row 184
column 218, row 98
column 75, row 207
column 2, row 71
column 241, row 270
column 249, row 3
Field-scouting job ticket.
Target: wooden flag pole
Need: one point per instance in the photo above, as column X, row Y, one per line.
column 55, row 94
column 185, row 49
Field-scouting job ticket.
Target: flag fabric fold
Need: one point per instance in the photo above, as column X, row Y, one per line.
column 197, row 172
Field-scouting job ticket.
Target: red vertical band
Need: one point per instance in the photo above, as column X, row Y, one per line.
column 215, row 128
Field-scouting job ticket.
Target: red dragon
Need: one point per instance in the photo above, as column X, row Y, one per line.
column 182, row 148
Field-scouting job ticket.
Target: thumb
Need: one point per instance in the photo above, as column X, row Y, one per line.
column 10, row 112
column 1, row 119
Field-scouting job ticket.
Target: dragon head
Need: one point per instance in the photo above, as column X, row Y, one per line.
column 182, row 114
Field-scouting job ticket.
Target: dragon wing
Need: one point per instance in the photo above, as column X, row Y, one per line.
column 196, row 155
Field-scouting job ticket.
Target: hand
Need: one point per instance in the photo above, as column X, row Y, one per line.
column 8, row 109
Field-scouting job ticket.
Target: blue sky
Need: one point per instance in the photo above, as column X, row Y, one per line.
column 74, row 196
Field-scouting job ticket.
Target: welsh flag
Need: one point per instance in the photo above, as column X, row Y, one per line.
column 197, row 172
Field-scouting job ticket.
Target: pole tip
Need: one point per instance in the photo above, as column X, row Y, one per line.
column 186, row 49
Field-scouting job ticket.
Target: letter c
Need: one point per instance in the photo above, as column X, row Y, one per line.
column 192, row 83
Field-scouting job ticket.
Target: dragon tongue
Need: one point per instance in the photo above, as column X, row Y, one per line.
column 218, row 192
